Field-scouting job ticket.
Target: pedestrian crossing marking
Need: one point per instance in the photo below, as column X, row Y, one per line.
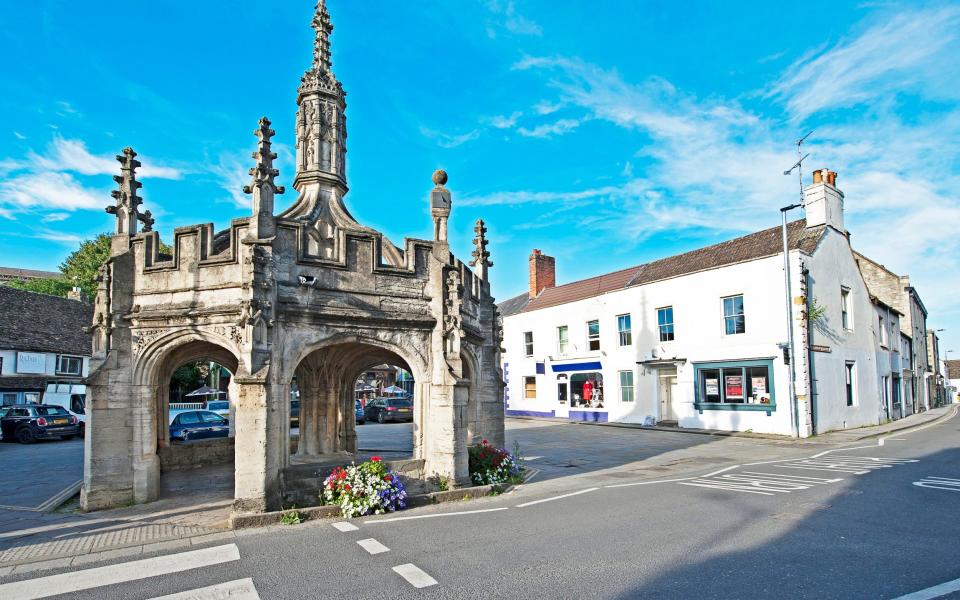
column 855, row 465
column 240, row 589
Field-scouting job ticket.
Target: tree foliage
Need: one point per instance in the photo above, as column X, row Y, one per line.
column 84, row 262
column 52, row 287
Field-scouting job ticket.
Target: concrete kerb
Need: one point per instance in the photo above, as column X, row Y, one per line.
column 329, row 511
column 907, row 427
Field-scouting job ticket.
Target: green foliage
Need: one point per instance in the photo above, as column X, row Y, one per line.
column 189, row 376
column 52, row 287
column 442, row 482
column 84, row 262
column 815, row 311
column 291, row 516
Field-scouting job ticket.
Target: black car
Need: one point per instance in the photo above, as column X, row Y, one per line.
column 32, row 422
column 389, row 409
column 294, row 413
column 198, row 425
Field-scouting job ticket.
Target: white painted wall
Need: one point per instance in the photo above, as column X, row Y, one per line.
column 50, row 359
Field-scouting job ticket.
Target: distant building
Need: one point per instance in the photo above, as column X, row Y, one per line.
column 700, row 339
column 43, row 345
column 11, row 274
column 952, row 370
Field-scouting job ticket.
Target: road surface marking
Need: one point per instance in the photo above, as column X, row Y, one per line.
column 557, row 497
column 724, row 470
column 60, row 497
column 414, row 575
column 65, row 583
column 939, row 483
column 856, row 465
column 755, row 482
column 344, row 526
column 239, row 589
column 617, row 485
column 449, row 514
column 933, row 592
column 373, row 546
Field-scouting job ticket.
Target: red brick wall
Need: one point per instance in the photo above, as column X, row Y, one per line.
column 543, row 272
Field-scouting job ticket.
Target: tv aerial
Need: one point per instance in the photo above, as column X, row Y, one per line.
column 799, row 164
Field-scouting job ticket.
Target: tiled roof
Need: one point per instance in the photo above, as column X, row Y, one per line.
column 513, row 305
column 32, row 322
column 953, row 369
column 768, row 242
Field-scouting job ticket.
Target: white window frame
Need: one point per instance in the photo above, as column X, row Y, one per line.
column 591, row 338
column 883, row 331
column 624, row 335
column 62, row 357
column 661, row 333
column 563, row 340
column 742, row 314
column 850, row 383
column 630, row 389
column 528, row 343
column 846, row 313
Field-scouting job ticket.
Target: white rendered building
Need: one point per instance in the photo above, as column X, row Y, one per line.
column 700, row 339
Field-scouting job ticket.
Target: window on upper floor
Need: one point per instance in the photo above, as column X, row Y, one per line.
column 665, row 323
column 528, row 343
column 563, row 340
column 69, row 365
column 593, row 335
column 883, row 331
column 734, row 320
column 846, row 319
column 624, row 330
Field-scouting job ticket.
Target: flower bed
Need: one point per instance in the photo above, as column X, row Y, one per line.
column 365, row 489
column 490, row 465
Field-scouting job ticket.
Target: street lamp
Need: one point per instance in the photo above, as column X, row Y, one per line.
column 794, row 416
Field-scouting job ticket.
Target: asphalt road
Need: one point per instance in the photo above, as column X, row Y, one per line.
column 33, row 473
column 850, row 523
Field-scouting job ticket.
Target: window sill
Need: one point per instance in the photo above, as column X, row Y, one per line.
column 702, row 406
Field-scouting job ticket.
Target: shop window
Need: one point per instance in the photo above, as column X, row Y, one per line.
column 665, row 323
column 562, row 388
column 586, row 390
column 734, row 321
column 624, row 330
column 528, row 343
column 851, row 392
column 845, row 317
column 735, row 384
column 626, row 386
column 593, row 335
column 69, row 365
column 563, row 340
column 8, row 398
column 530, row 388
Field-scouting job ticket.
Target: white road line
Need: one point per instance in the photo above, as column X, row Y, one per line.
column 64, row 583
column 933, row 592
column 414, row 575
column 373, row 546
column 239, row 589
column 557, row 497
column 449, row 514
column 939, row 483
column 720, row 471
column 618, row 485
column 344, row 526
column 718, row 485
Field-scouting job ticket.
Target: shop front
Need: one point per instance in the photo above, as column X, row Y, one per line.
column 580, row 391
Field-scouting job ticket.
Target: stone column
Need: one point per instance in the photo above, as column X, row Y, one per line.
column 259, row 442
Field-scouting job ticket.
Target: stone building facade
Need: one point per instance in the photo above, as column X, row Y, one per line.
column 306, row 293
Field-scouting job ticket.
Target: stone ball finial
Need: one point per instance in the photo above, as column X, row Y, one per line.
column 440, row 177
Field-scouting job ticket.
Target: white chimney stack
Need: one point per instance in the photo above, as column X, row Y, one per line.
column 823, row 202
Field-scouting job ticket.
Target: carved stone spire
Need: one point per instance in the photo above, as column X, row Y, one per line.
column 481, row 256
column 126, row 196
column 440, row 205
column 321, row 44
column 263, row 187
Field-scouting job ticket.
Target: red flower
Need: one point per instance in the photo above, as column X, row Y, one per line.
column 346, row 487
column 484, row 442
column 375, row 458
column 387, row 478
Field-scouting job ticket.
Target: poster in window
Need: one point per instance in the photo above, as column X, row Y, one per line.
column 733, row 386
column 712, row 387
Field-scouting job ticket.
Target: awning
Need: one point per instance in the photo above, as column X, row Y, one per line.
column 662, row 362
column 584, row 366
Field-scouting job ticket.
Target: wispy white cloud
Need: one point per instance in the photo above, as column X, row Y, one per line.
column 507, row 17
column 19, row 135
column 54, row 217
column 446, row 140
column 72, row 155
column 907, row 51
column 67, row 239
column 505, row 122
column 231, row 172
column 49, row 190
column 546, row 130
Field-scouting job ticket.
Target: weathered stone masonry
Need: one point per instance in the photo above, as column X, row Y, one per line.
column 309, row 293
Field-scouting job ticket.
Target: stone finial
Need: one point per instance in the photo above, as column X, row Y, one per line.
column 481, row 256
column 126, row 196
column 264, row 172
column 321, row 43
column 440, row 205
column 147, row 219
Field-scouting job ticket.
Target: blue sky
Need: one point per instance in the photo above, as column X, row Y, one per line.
column 603, row 133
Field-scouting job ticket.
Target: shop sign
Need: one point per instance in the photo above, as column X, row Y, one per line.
column 712, row 387
column 31, row 362
column 759, row 385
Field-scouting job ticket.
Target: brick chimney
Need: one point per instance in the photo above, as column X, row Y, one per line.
column 543, row 272
column 76, row 294
column 823, row 202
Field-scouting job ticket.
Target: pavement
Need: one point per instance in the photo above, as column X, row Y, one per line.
column 616, row 512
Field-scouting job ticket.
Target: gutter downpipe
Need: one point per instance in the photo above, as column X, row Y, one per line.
column 794, row 412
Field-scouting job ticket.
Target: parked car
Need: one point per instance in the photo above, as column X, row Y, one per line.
column 198, row 425
column 389, row 409
column 74, row 403
column 360, row 413
column 31, row 422
column 221, row 407
column 294, row 413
